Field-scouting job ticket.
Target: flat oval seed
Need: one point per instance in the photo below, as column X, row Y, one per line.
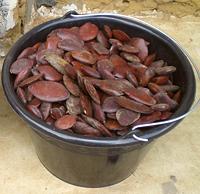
column 88, row 31
column 160, row 107
column 30, row 80
column 91, row 91
column 27, row 52
column 84, row 129
column 102, row 39
column 70, row 44
column 35, row 111
column 86, row 105
column 165, row 70
column 49, row 73
column 108, row 31
column 96, row 124
column 126, row 117
column 90, row 71
column 98, row 112
column 45, row 109
column 128, row 48
column 71, row 86
column 120, row 35
column 21, row 64
column 133, row 105
column 100, row 49
column 49, row 91
column 65, row 122
column 113, row 125
column 21, row 94
column 73, row 105
column 140, row 96
column 109, row 105
column 84, row 56
column 21, row 76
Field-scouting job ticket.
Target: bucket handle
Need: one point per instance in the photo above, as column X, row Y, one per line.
column 194, row 106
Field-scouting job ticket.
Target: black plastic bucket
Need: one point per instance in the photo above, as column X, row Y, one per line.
column 97, row 162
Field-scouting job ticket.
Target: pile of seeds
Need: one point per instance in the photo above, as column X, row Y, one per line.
column 94, row 82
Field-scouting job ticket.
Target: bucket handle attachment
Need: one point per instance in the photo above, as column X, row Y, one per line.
column 194, row 106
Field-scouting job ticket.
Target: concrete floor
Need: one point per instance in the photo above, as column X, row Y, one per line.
column 172, row 166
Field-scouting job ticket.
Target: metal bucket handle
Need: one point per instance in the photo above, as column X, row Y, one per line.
column 194, row 106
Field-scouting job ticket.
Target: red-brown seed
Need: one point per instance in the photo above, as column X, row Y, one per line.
column 56, row 61
column 80, row 80
column 49, row 73
column 102, row 39
column 90, row 71
column 128, row 48
column 107, row 31
column 88, row 31
column 115, row 42
column 177, row 96
column 36, row 45
column 56, row 113
column 146, row 77
column 52, row 42
column 71, row 86
column 29, row 95
column 68, row 57
column 143, row 49
column 45, row 109
column 71, row 44
column 113, row 125
column 30, row 80
column 120, row 66
column 34, row 110
column 99, row 48
column 154, row 88
column 21, row 64
column 130, row 57
column 70, row 71
column 21, row 76
column 162, row 97
column 165, row 115
column 165, row 70
column 73, row 105
column 160, row 107
column 86, row 105
column 84, row 129
column 98, row 113
column 170, row 88
column 49, row 121
column 41, row 55
column 84, row 56
column 149, row 59
column 109, row 105
column 91, row 91
column 96, row 124
column 21, row 94
column 133, row 105
column 131, row 77
column 35, row 102
column 126, row 117
column 156, row 64
column 120, row 35
column 155, row 116
column 140, row 96
column 65, row 122
column 160, row 80
column 27, row 52
column 49, row 91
